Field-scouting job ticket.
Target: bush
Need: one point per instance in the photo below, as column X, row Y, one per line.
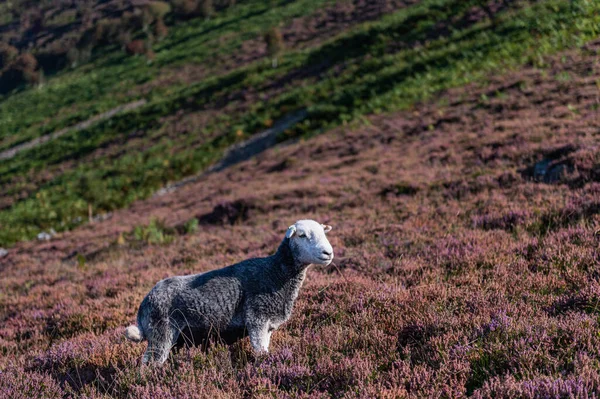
column 207, row 8
column 155, row 233
column 185, row 8
column 160, row 29
column 8, row 54
column 107, row 31
column 275, row 44
column 23, row 70
column 26, row 62
column 158, row 9
column 132, row 21
column 135, row 47
column 191, row 226
column 85, row 46
column 32, row 21
column 55, row 57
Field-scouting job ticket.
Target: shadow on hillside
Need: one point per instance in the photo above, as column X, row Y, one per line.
column 237, row 20
column 416, row 29
column 70, row 147
column 184, row 40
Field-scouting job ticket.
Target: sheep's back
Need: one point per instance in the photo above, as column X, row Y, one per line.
column 209, row 300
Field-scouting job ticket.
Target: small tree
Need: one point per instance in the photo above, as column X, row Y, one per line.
column 136, row 47
column 23, row 70
column 132, row 21
column 82, row 51
column 158, row 9
column 185, row 8
column 73, row 57
column 8, row 54
column 86, row 45
column 160, row 29
column 28, row 66
column 32, row 21
column 85, row 14
column 107, row 31
column 275, row 44
column 207, row 8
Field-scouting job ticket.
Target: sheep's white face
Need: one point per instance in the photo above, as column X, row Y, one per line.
column 309, row 243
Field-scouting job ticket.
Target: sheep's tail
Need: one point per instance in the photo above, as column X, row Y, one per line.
column 134, row 334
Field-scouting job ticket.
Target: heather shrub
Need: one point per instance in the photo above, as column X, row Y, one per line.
column 508, row 221
column 465, row 228
column 541, row 387
column 584, row 300
column 17, row 383
column 399, row 189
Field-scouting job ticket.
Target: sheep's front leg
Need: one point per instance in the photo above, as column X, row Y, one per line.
column 160, row 341
column 260, row 337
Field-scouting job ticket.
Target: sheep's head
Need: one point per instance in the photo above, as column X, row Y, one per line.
column 308, row 242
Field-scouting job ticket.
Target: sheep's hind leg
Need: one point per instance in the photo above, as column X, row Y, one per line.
column 260, row 337
column 160, row 342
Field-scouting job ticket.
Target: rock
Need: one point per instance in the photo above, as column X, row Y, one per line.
column 3, row 252
column 556, row 173
column 43, row 236
column 540, row 169
column 548, row 171
column 232, row 212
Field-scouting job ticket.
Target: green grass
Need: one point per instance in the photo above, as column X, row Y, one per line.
column 106, row 82
column 374, row 67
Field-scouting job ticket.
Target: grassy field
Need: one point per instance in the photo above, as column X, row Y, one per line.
column 212, row 84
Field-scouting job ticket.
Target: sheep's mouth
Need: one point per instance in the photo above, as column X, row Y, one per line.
column 326, row 258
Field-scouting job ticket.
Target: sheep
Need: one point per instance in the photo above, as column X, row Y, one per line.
column 253, row 297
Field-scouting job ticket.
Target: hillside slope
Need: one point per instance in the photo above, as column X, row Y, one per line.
column 467, row 253
column 211, row 84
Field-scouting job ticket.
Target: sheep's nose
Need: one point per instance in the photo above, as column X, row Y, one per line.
column 328, row 253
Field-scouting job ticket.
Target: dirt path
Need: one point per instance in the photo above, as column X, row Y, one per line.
column 245, row 150
column 10, row 153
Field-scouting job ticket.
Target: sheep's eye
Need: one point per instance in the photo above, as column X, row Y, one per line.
column 302, row 235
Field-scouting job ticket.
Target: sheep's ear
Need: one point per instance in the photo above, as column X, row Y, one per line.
column 327, row 228
column 290, row 231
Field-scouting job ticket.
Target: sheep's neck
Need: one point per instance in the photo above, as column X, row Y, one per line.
column 286, row 268
column 290, row 274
